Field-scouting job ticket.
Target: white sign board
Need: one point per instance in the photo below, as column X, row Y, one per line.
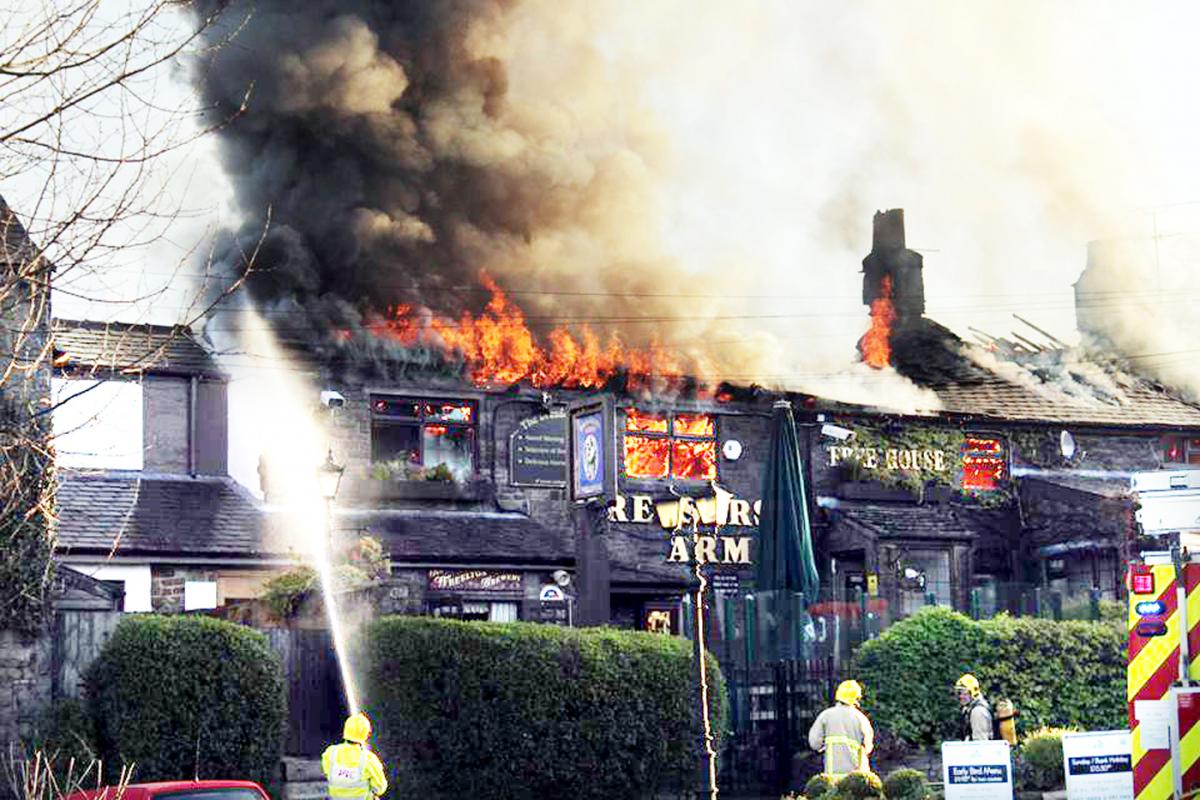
column 1154, row 721
column 551, row 594
column 977, row 770
column 1098, row 766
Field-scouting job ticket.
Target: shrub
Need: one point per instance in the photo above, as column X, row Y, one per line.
column 286, row 593
column 1057, row 673
column 1041, row 761
column 180, row 696
column 906, row 784
column 65, row 737
column 859, row 786
column 818, row 786
column 64, row 731
column 521, row 710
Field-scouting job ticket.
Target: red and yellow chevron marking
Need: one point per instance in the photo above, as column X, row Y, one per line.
column 1153, row 668
column 1188, row 700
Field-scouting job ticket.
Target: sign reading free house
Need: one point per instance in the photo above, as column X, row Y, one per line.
column 1098, row 766
column 977, row 770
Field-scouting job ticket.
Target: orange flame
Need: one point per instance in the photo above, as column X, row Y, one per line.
column 876, row 343
column 498, row 348
column 646, row 456
column 694, row 460
column 651, row 453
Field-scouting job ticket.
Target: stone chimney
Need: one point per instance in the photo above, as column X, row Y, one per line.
column 890, row 258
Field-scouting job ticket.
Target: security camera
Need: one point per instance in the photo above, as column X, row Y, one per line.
column 332, row 399
column 837, row 432
column 561, row 577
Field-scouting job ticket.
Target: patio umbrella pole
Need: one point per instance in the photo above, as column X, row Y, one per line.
column 701, row 653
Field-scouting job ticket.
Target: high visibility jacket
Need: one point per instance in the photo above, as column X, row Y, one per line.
column 846, row 737
column 353, row 772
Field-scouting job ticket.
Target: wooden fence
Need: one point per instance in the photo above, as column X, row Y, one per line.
column 316, row 704
column 78, row 638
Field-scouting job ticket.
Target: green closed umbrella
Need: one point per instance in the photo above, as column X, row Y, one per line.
column 786, row 563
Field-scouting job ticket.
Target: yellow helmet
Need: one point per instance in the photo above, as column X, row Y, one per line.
column 357, row 728
column 968, row 682
column 849, row 692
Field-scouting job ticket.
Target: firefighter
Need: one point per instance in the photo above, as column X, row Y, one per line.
column 976, row 713
column 843, row 733
column 353, row 772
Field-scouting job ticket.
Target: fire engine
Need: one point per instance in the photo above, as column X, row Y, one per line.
column 1163, row 672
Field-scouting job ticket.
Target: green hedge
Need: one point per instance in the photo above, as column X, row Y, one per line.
column 518, row 710
column 1063, row 674
column 1040, row 767
column 179, row 696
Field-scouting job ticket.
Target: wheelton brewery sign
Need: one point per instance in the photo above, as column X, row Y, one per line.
column 473, row 580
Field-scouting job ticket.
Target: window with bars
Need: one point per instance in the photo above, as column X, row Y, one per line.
column 424, row 432
column 670, row 445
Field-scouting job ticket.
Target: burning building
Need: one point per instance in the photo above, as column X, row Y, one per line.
column 1010, row 494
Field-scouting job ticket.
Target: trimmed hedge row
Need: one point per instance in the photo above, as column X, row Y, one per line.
column 522, row 710
column 1059, row 674
column 185, row 696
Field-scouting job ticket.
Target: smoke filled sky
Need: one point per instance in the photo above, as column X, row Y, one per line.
column 714, row 166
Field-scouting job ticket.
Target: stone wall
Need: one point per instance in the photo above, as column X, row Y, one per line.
column 166, row 586
column 167, row 416
column 26, row 675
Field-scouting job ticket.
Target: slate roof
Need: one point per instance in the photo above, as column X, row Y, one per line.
column 1112, row 488
column 638, row 555
column 497, row 537
column 1144, row 405
column 149, row 515
column 1055, row 511
column 905, row 520
column 16, row 249
column 463, row 536
column 130, row 348
column 1048, row 387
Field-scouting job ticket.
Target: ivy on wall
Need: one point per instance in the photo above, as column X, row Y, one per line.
column 26, row 515
column 922, row 474
column 1038, row 448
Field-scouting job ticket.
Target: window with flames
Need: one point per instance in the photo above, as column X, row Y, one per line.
column 424, row 433
column 983, row 463
column 662, row 445
column 1180, row 450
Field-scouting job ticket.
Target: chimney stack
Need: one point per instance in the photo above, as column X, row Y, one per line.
column 891, row 259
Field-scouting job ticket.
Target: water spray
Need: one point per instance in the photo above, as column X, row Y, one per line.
column 330, row 474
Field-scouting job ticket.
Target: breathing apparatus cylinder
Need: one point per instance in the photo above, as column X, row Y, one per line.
column 1006, row 717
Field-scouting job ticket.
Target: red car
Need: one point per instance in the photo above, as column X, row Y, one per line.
column 177, row 790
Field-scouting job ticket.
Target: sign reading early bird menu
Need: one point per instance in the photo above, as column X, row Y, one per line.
column 977, row 770
column 537, row 452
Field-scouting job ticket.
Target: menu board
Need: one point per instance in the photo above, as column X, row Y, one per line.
column 538, row 452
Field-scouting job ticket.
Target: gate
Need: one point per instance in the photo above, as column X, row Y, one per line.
column 78, row 639
column 772, row 707
column 316, row 703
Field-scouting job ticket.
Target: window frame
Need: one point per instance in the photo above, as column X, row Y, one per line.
column 422, row 420
column 670, row 437
column 1188, row 449
column 1003, row 456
